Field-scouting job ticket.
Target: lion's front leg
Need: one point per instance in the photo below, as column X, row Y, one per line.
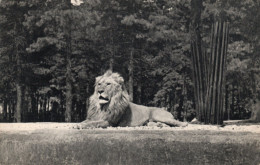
column 93, row 124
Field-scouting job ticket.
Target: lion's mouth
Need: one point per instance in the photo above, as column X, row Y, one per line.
column 103, row 100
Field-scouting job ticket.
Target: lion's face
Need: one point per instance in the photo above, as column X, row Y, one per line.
column 110, row 99
column 107, row 86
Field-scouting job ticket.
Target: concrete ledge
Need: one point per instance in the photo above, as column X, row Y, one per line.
column 61, row 145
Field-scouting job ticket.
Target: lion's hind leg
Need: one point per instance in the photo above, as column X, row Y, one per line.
column 160, row 115
column 92, row 124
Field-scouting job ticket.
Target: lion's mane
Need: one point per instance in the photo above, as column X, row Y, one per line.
column 117, row 106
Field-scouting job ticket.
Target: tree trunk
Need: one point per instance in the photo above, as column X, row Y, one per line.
column 69, row 95
column 180, row 108
column 44, row 107
column 111, row 62
column 196, row 8
column 215, row 91
column 227, row 103
column 41, row 109
column 239, row 102
column 87, row 103
column 37, row 106
column 25, row 104
column 30, row 116
column 5, row 110
column 209, row 76
column 184, row 93
column 171, row 105
column 48, row 104
column 68, row 90
column 13, row 111
column 255, row 115
column 139, row 91
column 34, row 110
column 131, row 75
column 19, row 92
column 18, row 103
column 253, row 80
column 232, row 100
column 10, row 111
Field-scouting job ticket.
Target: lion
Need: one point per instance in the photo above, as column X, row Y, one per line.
column 110, row 106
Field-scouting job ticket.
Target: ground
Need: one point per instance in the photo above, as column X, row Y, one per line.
column 57, row 143
column 233, row 126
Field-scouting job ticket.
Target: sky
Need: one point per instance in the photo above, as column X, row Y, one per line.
column 75, row 2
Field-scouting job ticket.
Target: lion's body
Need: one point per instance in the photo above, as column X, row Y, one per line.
column 138, row 115
column 110, row 106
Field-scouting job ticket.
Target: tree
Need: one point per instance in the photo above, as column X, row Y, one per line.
column 63, row 34
column 14, row 41
column 62, row 48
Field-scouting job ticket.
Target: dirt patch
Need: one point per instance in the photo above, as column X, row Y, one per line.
column 233, row 126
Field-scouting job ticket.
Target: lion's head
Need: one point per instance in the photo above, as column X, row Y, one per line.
column 108, row 86
column 110, row 98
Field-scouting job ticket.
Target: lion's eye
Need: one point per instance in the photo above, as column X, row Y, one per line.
column 99, row 83
column 108, row 83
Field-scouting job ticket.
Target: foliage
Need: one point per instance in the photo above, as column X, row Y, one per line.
column 101, row 35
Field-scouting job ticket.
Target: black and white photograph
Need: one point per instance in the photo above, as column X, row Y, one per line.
column 129, row 82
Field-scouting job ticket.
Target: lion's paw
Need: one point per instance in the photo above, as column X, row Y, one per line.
column 76, row 126
column 157, row 124
column 184, row 124
column 84, row 126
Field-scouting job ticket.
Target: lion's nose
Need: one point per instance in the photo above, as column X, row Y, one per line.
column 100, row 91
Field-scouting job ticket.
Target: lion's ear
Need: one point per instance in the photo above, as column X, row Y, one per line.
column 108, row 73
column 98, row 79
column 121, row 80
